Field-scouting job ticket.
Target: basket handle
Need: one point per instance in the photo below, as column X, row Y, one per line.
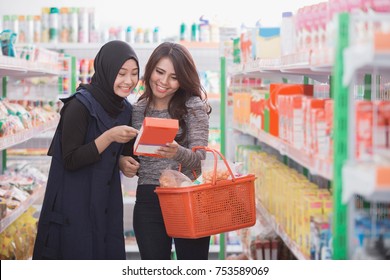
column 215, row 153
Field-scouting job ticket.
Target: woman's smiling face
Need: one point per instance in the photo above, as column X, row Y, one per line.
column 127, row 78
column 163, row 82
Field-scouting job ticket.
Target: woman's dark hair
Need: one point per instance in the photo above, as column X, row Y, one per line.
column 187, row 76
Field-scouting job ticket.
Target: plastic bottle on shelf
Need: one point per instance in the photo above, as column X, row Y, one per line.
column 14, row 25
column 129, row 35
column 147, row 36
column 156, row 35
column 194, row 32
column 112, row 34
column 120, row 32
column 29, row 29
column 37, row 29
column 93, row 33
column 73, row 25
column 83, row 25
column 6, row 22
column 287, row 34
column 183, row 32
column 22, row 29
column 139, row 35
column 53, row 25
column 45, row 25
column 64, row 25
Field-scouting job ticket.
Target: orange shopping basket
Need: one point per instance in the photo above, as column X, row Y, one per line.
column 210, row 208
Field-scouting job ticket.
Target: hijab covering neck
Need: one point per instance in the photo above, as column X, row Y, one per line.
column 107, row 64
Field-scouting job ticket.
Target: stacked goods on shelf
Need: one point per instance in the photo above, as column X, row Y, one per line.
column 273, row 104
column 65, row 24
column 22, row 117
column 290, row 113
column 17, row 241
column 16, row 119
column 372, row 122
column 320, row 134
column 264, row 249
column 85, row 69
column 18, row 183
column 362, row 148
column 14, row 189
column 304, row 132
column 261, row 242
column 79, row 25
column 299, row 208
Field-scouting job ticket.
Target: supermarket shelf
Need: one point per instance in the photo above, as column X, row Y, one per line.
column 28, row 155
column 287, row 67
column 11, row 66
column 369, row 180
column 280, row 231
column 206, row 55
column 12, row 216
column 89, row 46
column 369, row 60
column 316, row 165
column 138, row 46
column 22, row 136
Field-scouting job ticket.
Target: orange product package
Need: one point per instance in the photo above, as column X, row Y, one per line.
column 154, row 133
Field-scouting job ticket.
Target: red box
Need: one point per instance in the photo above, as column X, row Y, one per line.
column 154, row 133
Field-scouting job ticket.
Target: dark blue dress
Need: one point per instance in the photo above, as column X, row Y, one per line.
column 82, row 212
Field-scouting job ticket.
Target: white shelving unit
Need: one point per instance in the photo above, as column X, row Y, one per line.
column 22, row 136
column 293, row 68
column 206, row 55
column 14, row 214
column 14, row 67
column 315, row 164
column 365, row 181
column 376, row 62
column 369, row 179
column 372, row 181
column 277, row 68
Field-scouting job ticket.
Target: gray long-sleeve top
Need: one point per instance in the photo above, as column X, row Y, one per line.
column 197, row 121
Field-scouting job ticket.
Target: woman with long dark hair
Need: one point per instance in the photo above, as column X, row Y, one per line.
column 172, row 91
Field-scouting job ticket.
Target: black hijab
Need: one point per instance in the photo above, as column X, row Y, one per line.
column 107, row 64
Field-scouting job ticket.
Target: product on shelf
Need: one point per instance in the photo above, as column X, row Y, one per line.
column 17, row 241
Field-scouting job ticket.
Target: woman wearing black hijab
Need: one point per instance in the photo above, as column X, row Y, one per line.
column 82, row 212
